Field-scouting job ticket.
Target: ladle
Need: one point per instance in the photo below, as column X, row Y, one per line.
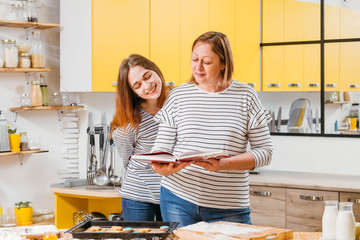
column 114, row 179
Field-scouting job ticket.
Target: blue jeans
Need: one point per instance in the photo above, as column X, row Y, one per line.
column 175, row 209
column 140, row 211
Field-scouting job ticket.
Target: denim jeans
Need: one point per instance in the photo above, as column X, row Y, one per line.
column 175, row 209
column 140, row 211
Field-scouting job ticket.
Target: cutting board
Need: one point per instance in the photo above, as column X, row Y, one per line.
column 231, row 231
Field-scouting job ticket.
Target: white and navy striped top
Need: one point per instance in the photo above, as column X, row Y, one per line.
column 196, row 120
column 140, row 183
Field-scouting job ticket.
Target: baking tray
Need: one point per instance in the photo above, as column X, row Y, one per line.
column 78, row 231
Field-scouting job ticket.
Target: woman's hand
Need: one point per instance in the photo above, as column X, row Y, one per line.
column 211, row 164
column 166, row 169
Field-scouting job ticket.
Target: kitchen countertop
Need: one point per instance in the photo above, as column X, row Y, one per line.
column 315, row 181
column 84, row 191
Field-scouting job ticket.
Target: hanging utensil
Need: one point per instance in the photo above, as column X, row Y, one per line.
column 278, row 127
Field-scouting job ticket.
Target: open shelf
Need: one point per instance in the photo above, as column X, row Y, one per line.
column 35, row 25
column 18, row 109
column 22, row 152
column 25, row 70
column 340, row 102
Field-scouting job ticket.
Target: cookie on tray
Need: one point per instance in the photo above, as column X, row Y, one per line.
column 93, row 229
column 164, row 228
column 127, row 230
column 116, row 229
column 143, row 230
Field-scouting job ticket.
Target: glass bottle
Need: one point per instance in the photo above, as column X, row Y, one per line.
column 345, row 222
column 36, row 96
column 329, row 220
column 31, row 11
column 44, row 90
column 10, row 53
column 37, row 51
column 25, row 100
column 24, row 143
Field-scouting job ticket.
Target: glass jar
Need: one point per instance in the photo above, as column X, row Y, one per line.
column 17, row 13
column 31, row 11
column 65, row 100
column 56, row 99
column 345, row 222
column 37, row 51
column 24, row 60
column 24, row 143
column 36, row 96
column 329, row 220
column 10, row 53
column 25, row 100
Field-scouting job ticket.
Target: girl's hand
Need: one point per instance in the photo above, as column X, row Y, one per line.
column 166, row 169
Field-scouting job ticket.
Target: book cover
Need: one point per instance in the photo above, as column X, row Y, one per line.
column 184, row 157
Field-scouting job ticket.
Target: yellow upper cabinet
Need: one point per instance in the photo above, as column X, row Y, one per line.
column 293, row 20
column 349, row 23
column 349, row 66
column 119, row 28
column 246, row 49
column 272, row 21
column 332, row 22
column 273, row 68
column 331, row 66
column 194, row 22
column 312, row 80
column 165, row 40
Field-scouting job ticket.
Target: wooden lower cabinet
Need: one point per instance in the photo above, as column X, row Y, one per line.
column 355, row 199
column 267, row 205
column 300, row 210
column 304, row 209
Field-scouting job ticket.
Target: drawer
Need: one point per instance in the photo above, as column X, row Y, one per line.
column 304, row 209
column 355, row 198
column 267, row 205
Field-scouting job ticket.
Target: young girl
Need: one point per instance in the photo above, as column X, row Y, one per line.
column 140, row 95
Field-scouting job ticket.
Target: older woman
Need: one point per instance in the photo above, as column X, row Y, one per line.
column 212, row 112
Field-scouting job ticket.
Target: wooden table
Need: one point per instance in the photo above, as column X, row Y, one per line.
column 307, row 235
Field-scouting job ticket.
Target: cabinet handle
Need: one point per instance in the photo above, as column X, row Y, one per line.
column 331, row 85
column 274, row 85
column 311, row 198
column 114, row 84
column 294, row 85
column 314, row 85
column 252, row 84
column 258, row 193
column 353, row 86
column 354, row 200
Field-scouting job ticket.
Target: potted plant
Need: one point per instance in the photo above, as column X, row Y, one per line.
column 24, row 213
column 14, row 139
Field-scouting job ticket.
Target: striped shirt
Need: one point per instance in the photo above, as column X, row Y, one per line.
column 140, row 183
column 196, row 120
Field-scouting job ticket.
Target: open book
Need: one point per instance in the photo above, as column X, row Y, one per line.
column 184, row 157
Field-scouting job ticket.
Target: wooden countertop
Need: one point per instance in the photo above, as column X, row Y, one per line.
column 84, row 191
column 328, row 182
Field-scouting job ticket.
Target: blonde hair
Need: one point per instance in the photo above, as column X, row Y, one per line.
column 221, row 46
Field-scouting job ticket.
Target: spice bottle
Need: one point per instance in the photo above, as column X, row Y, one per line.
column 31, row 11
column 10, row 53
column 44, row 90
column 37, row 51
column 36, row 96
column 24, row 143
